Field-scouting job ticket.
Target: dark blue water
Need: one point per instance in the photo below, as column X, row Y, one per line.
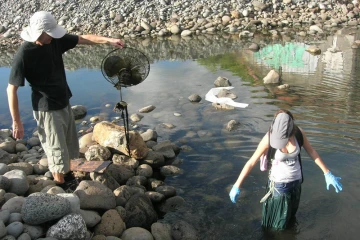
column 323, row 96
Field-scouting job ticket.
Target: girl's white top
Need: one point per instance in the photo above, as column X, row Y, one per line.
column 286, row 166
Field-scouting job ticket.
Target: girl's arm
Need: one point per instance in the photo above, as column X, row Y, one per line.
column 329, row 177
column 261, row 148
column 313, row 153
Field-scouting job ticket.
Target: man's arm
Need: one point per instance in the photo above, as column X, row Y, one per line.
column 95, row 39
column 18, row 128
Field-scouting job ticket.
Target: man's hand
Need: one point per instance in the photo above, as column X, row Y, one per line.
column 18, row 130
column 116, row 42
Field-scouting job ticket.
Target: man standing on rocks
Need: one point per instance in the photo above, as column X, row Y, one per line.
column 39, row 60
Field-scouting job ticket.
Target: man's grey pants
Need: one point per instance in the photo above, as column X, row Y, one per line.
column 58, row 137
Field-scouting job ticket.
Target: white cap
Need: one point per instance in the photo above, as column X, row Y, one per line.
column 42, row 22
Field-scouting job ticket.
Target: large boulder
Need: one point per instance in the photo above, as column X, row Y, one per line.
column 111, row 224
column 183, row 230
column 70, row 227
column 19, row 184
column 94, row 195
column 113, row 136
column 5, row 157
column 39, row 208
column 140, row 212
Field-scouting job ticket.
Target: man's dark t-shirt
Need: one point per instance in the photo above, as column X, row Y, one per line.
column 43, row 68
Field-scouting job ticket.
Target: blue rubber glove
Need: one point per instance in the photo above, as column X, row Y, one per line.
column 234, row 194
column 331, row 179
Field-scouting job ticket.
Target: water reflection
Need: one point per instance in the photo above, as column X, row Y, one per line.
column 324, row 98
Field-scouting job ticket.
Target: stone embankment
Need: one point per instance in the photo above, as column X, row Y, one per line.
column 162, row 18
column 125, row 201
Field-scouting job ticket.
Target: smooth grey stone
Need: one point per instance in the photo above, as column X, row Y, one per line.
column 4, row 215
column 15, row 217
column 15, row 229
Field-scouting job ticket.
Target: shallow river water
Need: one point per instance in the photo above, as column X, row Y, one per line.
column 324, row 96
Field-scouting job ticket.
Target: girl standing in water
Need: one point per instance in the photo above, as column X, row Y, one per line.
column 281, row 147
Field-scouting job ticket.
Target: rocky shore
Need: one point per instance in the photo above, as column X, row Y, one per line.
column 163, row 18
column 124, row 200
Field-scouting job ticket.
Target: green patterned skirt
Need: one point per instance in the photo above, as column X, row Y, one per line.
column 281, row 206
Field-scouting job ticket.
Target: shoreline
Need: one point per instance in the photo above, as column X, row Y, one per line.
column 137, row 19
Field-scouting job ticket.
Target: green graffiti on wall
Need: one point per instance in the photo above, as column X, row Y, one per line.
column 289, row 54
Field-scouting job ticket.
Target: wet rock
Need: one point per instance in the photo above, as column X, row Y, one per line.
column 136, row 117
column 161, row 231
column 194, row 98
column 144, row 170
column 272, row 77
column 166, row 148
column 171, row 204
column 154, row 159
column 226, row 93
column 168, row 125
column 79, row 111
column 284, row 86
column 149, row 135
column 155, row 197
column 222, row 82
column 231, row 125
column 167, row 171
column 147, row 109
column 167, row 191
column 183, row 230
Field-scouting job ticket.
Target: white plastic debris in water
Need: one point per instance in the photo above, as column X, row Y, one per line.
column 211, row 96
